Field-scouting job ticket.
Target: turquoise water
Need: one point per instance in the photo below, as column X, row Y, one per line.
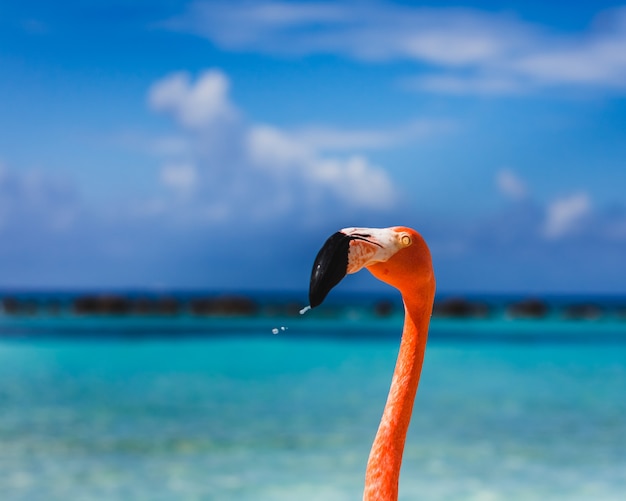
column 291, row 416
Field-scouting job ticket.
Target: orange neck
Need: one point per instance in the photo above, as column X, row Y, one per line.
column 385, row 460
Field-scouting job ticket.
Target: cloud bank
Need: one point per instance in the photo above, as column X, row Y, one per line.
column 455, row 50
column 239, row 171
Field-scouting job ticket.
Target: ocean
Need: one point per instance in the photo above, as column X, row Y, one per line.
column 220, row 408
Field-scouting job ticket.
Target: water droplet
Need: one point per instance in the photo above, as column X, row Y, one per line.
column 304, row 310
column 274, row 330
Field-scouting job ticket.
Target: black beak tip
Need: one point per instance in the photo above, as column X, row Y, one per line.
column 330, row 266
column 316, row 298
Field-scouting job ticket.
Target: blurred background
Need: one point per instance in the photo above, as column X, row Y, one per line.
column 180, row 144
column 169, row 170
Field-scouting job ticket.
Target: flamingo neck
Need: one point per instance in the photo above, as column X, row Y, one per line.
column 385, row 460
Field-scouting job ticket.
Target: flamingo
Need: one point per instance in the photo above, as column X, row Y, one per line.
column 399, row 257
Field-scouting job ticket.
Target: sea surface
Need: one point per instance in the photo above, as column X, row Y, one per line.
column 223, row 409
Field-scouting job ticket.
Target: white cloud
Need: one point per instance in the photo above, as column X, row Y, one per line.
column 565, row 215
column 180, row 177
column 460, row 51
column 334, row 139
column 231, row 168
column 461, row 85
column 355, row 180
column 196, row 104
column 363, row 30
column 457, row 39
column 510, row 185
column 245, row 24
column 275, row 149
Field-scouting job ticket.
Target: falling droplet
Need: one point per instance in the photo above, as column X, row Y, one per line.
column 305, row 309
column 284, row 328
column 274, row 330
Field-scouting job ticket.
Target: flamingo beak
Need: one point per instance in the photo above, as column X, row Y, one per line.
column 348, row 251
column 330, row 266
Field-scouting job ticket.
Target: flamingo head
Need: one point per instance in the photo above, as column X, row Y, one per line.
column 397, row 255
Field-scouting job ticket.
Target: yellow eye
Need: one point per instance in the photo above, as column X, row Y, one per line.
column 405, row 240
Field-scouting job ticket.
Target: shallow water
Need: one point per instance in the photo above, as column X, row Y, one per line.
column 277, row 417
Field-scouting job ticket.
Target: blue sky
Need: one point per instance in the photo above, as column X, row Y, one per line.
column 171, row 144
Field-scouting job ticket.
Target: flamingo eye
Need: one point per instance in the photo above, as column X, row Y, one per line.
column 405, row 240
